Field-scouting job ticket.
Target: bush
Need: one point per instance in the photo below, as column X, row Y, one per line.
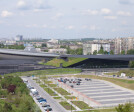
column 128, row 107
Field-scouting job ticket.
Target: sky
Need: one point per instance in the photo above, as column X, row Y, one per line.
column 66, row 19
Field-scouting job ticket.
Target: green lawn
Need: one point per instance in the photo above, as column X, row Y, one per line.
column 50, row 92
column 70, row 97
column 100, row 110
column 128, row 72
column 61, row 91
column 67, row 106
column 48, row 82
column 57, row 97
column 81, row 104
column 56, row 62
column 47, row 72
column 52, row 85
column 43, row 86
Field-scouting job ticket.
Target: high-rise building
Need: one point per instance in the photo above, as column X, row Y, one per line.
column 18, row 38
column 124, row 44
column 89, row 48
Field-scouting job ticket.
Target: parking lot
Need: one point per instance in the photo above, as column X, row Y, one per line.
column 103, row 93
column 42, row 99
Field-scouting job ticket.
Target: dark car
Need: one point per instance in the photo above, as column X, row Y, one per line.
column 72, row 86
column 48, row 109
column 77, row 83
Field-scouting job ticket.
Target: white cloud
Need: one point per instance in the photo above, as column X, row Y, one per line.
column 57, row 16
column 6, row 13
column 1, row 22
column 32, row 26
column 105, row 11
column 110, row 17
column 90, row 12
column 122, row 13
column 21, row 4
column 71, row 27
column 44, row 26
column 94, row 27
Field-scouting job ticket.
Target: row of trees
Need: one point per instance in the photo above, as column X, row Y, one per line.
column 78, row 51
column 12, row 46
column 17, row 98
column 101, row 51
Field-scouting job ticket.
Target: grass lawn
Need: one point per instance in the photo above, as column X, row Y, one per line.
column 121, row 82
column 52, row 85
column 57, row 97
column 67, row 106
column 59, row 71
column 100, row 110
column 81, row 104
column 62, row 91
column 48, row 82
column 42, row 85
column 70, row 97
column 128, row 72
column 50, row 92
column 56, row 62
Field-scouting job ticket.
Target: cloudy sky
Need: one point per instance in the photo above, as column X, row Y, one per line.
column 67, row 18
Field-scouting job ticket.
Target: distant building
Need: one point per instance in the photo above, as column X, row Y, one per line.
column 31, row 48
column 52, row 45
column 74, row 47
column 59, row 51
column 89, row 48
column 124, row 44
column 18, row 38
column 53, row 41
column 10, row 42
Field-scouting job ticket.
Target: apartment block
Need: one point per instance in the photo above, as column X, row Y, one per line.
column 89, row 48
column 124, row 44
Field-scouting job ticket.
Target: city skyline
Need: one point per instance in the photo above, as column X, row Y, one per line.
column 66, row 19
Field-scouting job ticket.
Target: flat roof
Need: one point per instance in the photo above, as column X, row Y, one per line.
column 111, row 57
column 26, row 53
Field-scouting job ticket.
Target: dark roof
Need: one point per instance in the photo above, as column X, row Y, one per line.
column 111, row 57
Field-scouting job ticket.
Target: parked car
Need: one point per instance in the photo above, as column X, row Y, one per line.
column 44, row 104
column 38, row 97
column 48, row 109
column 72, row 86
column 77, row 83
column 42, row 100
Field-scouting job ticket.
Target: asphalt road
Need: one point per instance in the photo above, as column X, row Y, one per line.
column 54, row 104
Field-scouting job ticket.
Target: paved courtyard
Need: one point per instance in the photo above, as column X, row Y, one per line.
column 104, row 93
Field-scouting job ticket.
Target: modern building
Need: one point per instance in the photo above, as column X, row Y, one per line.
column 89, row 48
column 53, row 41
column 18, row 38
column 124, row 44
column 59, row 51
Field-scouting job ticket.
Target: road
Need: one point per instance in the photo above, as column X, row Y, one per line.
column 54, row 104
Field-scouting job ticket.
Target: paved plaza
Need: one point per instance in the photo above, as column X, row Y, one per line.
column 106, row 94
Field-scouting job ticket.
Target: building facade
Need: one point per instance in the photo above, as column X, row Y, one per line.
column 123, row 44
column 91, row 47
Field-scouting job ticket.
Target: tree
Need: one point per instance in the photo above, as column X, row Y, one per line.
column 122, row 52
column 11, row 88
column 95, row 52
column 101, row 51
column 43, row 45
column 131, row 51
column 131, row 64
column 128, row 107
column 112, row 52
column 7, row 107
column 105, row 52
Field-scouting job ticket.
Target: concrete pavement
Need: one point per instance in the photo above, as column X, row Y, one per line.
column 53, row 103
